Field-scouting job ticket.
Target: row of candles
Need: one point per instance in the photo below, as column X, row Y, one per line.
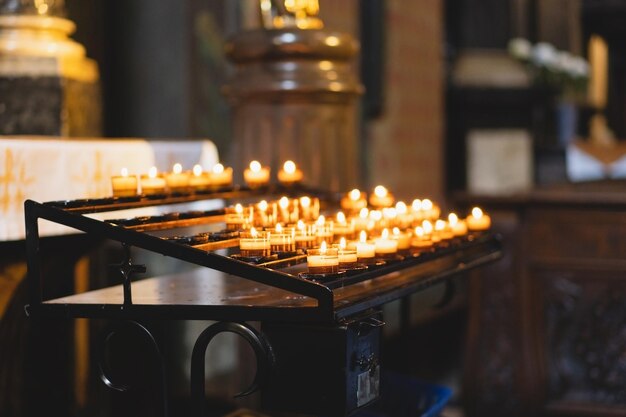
column 180, row 180
column 362, row 236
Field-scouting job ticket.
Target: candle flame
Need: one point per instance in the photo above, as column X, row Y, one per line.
column 427, row 226
column 255, row 166
column 197, row 170
column 453, row 219
column 320, row 220
column 477, row 212
column 323, row 248
column 341, row 218
column 238, row 208
column 305, row 202
column 152, row 173
column 283, row 203
column 376, row 215
column 380, row 191
column 355, row 194
column 289, row 167
column 401, row 207
column 177, row 168
column 440, row 225
column 279, row 228
column 364, row 213
column 342, row 243
column 427, row 204
column 416, row 205
column 396, row 231
column 385, row 234
column 390, row 213
column 218, row 168
column 262, row 205
column 253, row 232
column 419, row 232
column 363, row 236
column 300, row 225
column 124, row 172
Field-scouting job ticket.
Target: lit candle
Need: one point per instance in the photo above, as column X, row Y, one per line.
column 305, row 238
column 256, row 175
column 459, row 227
column 236, row 220
column 354, row 201
column 153, row 183
column 381, row 197
column 416, row 212
column 254, row 244
column 199, row 180
column 403, row 238
column 404, row 218
column 323, row 260
column 365, row 251
column 347, row 257
column 283, row 204
column 282, row 239
column 478, row 221
column 124, row 185
column 177, row 180
column 384, row 246
column 420, row 241
column 430, row 210
column 324, row 230
column 441, row 229
column 289, row 174
column 361, row 222
column 428, row 231
column 221, row 176
column 343, row 228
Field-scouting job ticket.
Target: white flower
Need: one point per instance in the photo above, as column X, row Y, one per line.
column 580, row 67
column 564, row 62
column 544, row 55
column 520, row 48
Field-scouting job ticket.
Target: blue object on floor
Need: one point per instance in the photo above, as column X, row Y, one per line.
column 404, row 396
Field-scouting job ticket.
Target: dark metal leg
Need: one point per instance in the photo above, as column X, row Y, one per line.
column 127, row 269
column 262, row 350
column 160, row 389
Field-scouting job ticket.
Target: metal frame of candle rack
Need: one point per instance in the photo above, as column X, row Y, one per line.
column 331, row 300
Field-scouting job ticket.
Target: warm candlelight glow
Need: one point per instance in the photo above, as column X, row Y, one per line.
column 341, row 218
column 279, row 228
column 342, row 243
column 380, row 191
column 238, row 208
column 305, row 202
column 419, row 232
column 376, row 215
column 283, row 203
column 396, row 231
column 177, row 168
column 197, row 170
column 364, row 213
column 253, row 232
column 427, row 204
column 416, row 205
column 152, row 172
column 362, row 236
column 385, row 234
column 320, row 220
column 323, row 248
column 355, row 194
column 124, row 172
column 453, row 219
column 289, row 167
column 255, row 166
column 440, row 225
column 401, row 207
column 262, row 205
column 477, row 213
column 427, row 226
column 218, row 168
column 300, row 225
column 390, row 213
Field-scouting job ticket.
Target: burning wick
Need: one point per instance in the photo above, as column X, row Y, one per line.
column 152, row 172
column 283, row 203
column 380, row 191
column 197, row 170
column 124, row 172
column 289, row 167
column 177, row 168
column 453, row 219
column 341, row 218
column 238, row 208
column 363, row 236
column 416, row 205
column 219, row 168
column 342, row 243
column 355, row 194
column 255, row 166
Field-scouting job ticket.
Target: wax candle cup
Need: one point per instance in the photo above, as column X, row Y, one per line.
column 342, row 227
column 254, row 243
column 124, row 185
column 305, row 237
column 323, row 260
column 282, row 239
column 403, row 238
column 459, row 227
column 478, row 221
column 221, row 176
column 365, row 251
column 384, row 246
column 381, row 197
column 199, row 180
column 347, row 257
column 354, row 201
column 236, row 220
column 153, row 183
column 289, row 174
column 430, row 210
column 421, row 241
column 256, row 175
column 443, row 231
column 324, row 231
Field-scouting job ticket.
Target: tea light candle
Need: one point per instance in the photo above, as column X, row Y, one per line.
column 282, row 239
column 343, row 228
column 384, row 246
column 347, row 257
column 430, row 210
column 381, row 197
column 441, row 229
column 221, row 176
column 361, row 222
column 289, row 174
column 478, row 221
column 403, row 238
column 124, row 185
column 256, row 175
column 420, row 240
column 283, row 205
column 177, row 180
column 428, row 231
column 323, row 260
column 324, row 230
column 153, row 183
column 354, row 201
column 365, row 250
column 254, row 243
column 404, row 218
column 459, row 227
column 199, row 180
column 416, row 212
column 236, row 220
column 305, row 238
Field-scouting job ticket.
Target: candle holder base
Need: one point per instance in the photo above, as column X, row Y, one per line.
column 354, row 269
column 287, row 254
column 255, row 259
column 322, row 277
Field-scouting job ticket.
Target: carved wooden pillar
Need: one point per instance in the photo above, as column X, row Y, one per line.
column 294, row 96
